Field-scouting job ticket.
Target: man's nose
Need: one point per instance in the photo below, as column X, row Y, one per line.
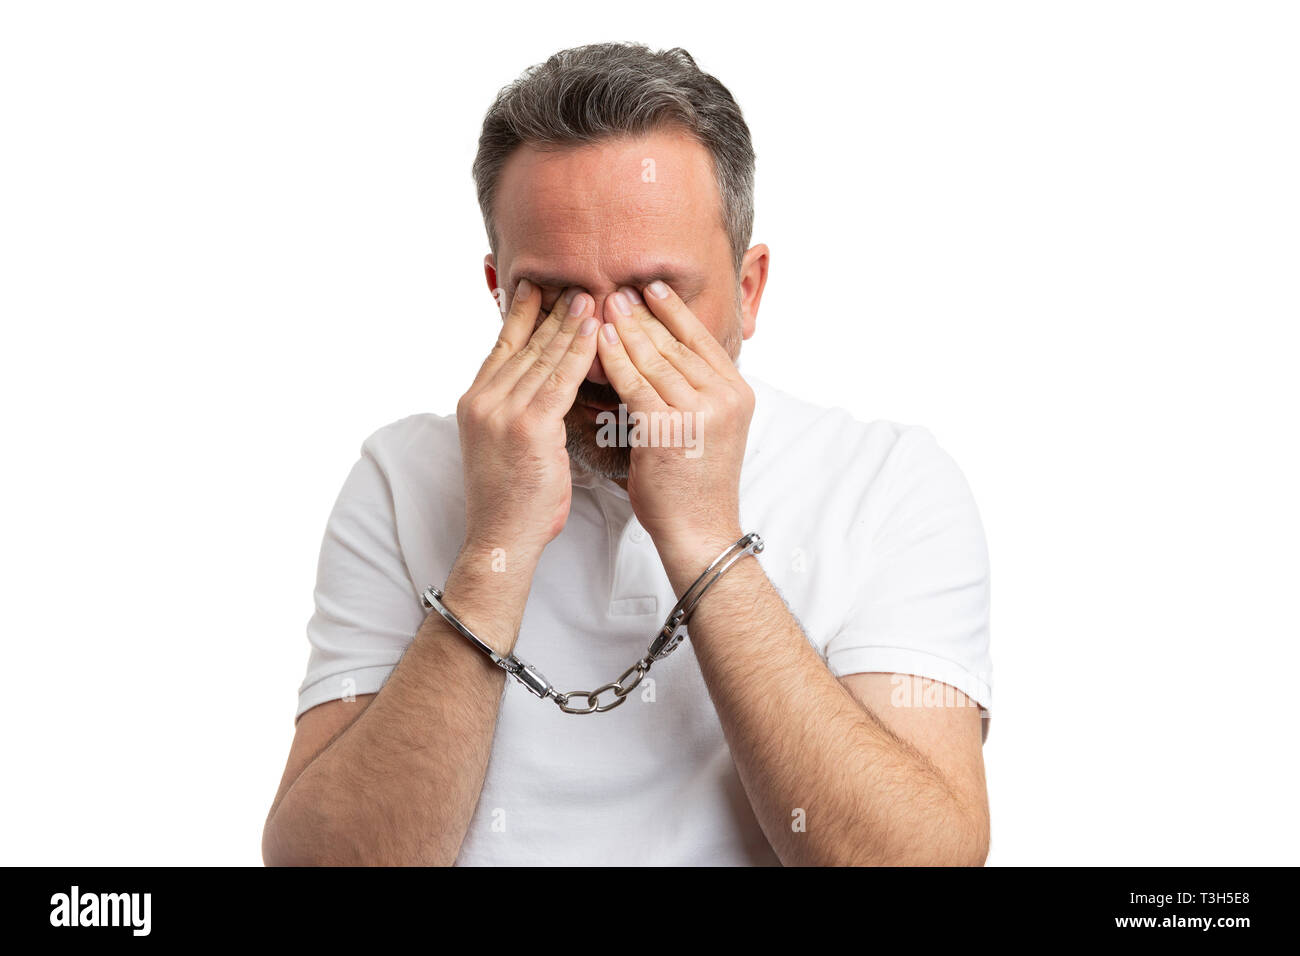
column 597, row 372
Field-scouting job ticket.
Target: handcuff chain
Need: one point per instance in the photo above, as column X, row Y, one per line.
column 664, row 643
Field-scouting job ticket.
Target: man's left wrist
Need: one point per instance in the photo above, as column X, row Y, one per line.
column 686, row 554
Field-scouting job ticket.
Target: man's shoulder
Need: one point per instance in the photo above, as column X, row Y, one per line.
column 420, row 460
column 842, row 445
column 413, row 438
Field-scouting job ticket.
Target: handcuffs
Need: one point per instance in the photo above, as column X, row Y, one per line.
column 667, row 640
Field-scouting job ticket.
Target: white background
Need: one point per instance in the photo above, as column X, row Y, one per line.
column 236, row 238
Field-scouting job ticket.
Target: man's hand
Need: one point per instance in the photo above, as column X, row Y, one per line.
column 663, row 360
column 512, row 436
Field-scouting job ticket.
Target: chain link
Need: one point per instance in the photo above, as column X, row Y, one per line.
column 592, row 697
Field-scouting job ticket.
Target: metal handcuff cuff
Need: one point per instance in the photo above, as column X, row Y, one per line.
column 665, row 642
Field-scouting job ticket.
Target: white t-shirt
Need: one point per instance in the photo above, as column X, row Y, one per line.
column 872, row 537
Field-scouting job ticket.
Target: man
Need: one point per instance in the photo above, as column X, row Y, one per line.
column 827, row 706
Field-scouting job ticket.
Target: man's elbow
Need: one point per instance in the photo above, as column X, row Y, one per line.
column 283, row 843
column 276, row 850
column 976, row 849
column 956, row 839
column 970, row 846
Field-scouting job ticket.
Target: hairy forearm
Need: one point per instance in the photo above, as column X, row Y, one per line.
column 400, row 784
column 828, row 781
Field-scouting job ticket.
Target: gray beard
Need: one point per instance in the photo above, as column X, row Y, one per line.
column 610, row 462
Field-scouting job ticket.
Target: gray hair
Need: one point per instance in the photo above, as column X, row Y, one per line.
column 590, row 93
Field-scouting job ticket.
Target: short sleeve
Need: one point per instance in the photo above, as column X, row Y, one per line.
column 367, row 608
column 922, row 598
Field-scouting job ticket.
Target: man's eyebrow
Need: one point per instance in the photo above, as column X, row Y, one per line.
column 676, row 277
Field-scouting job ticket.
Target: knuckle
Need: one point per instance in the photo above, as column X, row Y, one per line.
column 680, row 349
column 725, row 401
column 661, row 367
column 700, row 346
column 470, row 407
column 740, row 399
column 559, row 379
column 527, row 355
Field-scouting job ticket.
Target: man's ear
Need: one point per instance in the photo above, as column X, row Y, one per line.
column 753, row 277
column 494, row 284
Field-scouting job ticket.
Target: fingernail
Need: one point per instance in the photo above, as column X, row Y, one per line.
column 633, row 296
column 588, row 326
column 578, row 305
column 610, row 335
column 621, row 303
column 524, row 289
column 657, row 289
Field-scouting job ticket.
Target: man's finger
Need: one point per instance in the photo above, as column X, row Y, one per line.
column 692, row 368
column 687, row 329
column 558, row 391
column 645, row 355
column 516, row 330
column 633, row 388
column 514, row 368
column 581, row 307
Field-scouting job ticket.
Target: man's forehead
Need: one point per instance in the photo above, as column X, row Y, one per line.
column 670, row 159
column 622, row 209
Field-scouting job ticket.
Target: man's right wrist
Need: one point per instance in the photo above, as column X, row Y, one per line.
column 493, row 560
column 487, row 593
